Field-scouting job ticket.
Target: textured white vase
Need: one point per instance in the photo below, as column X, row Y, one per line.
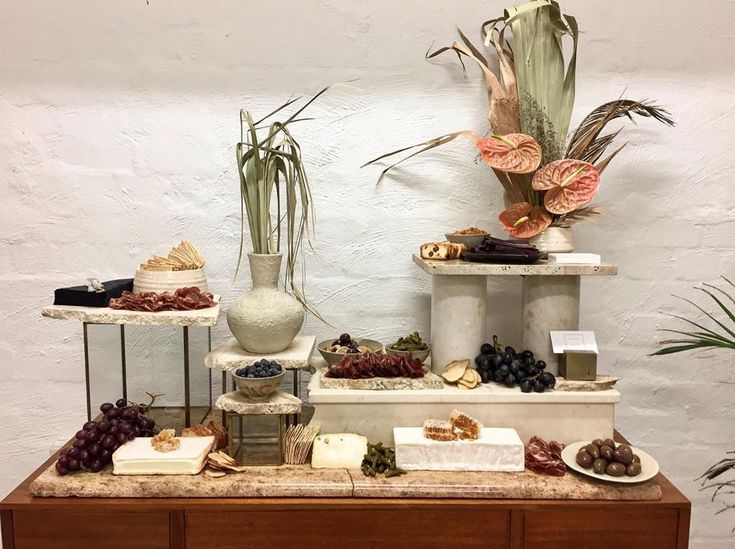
column 554, row 240
column 265, row 319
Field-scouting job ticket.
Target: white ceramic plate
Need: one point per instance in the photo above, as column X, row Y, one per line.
column 649, row 466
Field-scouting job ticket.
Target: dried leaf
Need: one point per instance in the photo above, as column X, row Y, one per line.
column 568, row 183
column 512, row 153
column 524, row 220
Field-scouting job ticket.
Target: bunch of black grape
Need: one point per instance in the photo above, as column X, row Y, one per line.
column 505, row 366
column 97, row 440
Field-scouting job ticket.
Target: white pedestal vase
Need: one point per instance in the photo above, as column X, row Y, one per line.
column 554, row 240
column 265, row 319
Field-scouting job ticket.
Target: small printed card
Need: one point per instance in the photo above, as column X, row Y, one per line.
column 572, row 341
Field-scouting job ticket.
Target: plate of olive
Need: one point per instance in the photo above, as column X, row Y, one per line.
column 610, row 461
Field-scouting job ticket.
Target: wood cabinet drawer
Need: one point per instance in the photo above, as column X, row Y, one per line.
column 602, row 528
column 52, row 529
column 436, row 526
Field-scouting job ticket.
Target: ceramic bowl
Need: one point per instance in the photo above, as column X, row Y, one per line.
column 168, row 281
column 469, row 240
column 334, row 358
column 258, row 388
column 421, row 355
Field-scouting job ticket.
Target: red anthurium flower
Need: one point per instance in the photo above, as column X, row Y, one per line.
column 512, row 153
column 568, row 183
column 523, row 220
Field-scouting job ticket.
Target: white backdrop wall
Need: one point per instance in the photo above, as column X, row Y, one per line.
column 117, row 140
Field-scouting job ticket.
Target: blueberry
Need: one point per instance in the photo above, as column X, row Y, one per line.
column 251, row 375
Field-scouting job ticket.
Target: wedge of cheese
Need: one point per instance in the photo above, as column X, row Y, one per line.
column 138, row 457
column 338, row 451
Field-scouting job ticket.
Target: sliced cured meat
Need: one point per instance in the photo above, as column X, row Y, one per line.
column 369, row 365
column 545, row 457
column 183, row 299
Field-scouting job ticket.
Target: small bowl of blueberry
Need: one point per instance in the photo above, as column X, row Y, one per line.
column 260, row 379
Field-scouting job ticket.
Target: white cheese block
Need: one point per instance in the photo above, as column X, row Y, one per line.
column 495, row 450
column 138, row 457
column 575, row 259
column 338, row 451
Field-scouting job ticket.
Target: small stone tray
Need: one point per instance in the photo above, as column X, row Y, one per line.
column 429, row 381
column 602, row 383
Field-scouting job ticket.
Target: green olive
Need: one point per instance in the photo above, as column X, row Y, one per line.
column 584, row 459
column 623, row 454
column 599, row 466
column 606, row 452
column 615, row 469
column 598, row 442
column 593, row 450
column 609, row 442
column 633, row 470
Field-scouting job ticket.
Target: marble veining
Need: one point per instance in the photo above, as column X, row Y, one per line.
column 303, row 481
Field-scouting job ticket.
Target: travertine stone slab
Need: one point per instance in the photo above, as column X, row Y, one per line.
column 230, row 356
column 277, row 403
column 602, row 383
column 105, row 315
column 303, row 481
column 525, row 485
column 429, row 381
column 542, row 268
column 284, row 481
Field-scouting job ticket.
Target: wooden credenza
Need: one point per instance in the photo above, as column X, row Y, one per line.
column 223, row 523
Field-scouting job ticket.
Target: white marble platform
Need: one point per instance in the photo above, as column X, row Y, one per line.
column 105, row 315
column 276, row 403
column 565, row 416
column 429, row 381
column 230, row 356
column 542, row 268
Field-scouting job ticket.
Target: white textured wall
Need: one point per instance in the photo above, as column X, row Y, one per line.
column 118, row 122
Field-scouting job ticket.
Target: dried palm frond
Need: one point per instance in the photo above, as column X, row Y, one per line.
column 723, row 336
column 575, row 216
column 587, row 144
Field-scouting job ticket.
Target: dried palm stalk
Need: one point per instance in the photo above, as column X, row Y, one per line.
column 587, row 144
column 546, row 80
column 575, row 216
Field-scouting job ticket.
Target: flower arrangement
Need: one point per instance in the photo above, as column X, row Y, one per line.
column 547, row 178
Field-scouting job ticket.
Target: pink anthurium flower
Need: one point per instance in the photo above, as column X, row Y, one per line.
column 512, row 153
column 524, row 220
column 569, row 184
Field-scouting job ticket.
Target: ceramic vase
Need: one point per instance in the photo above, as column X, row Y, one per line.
column 265, row 319
column 554, row 240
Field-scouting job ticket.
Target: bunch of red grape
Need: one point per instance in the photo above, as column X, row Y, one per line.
column 97, row 440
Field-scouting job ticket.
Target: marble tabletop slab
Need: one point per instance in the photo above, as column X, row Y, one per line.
column 303, row 481
column 276, row 403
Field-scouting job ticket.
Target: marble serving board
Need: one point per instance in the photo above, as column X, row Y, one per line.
column 303, row 481
column 429, row 381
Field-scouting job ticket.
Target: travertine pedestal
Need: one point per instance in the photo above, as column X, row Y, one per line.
column 459, row 302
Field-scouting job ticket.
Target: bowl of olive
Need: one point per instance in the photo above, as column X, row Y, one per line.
column 412, row 345
column 608, row 460
column 334, row 350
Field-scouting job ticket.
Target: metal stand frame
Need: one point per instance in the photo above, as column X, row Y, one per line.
column 242, row 439
column 123, row 360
